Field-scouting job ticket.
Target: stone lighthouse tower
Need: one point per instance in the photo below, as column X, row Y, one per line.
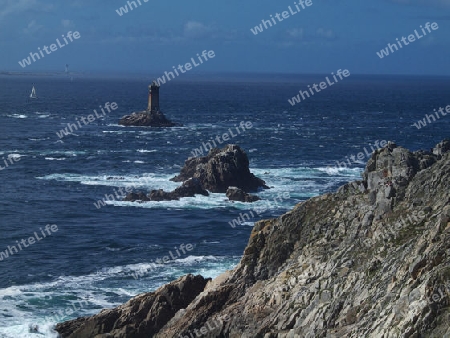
column 152, row 116
column 153, row 97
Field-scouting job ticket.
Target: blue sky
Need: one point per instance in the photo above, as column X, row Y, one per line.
column 329, row 35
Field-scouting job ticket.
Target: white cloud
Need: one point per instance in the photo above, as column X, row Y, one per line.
column 32, row 28
column 19, row 6
column 67, row 23
column 296, row 33
column 325, row 33
column 15, row 6
column 195, row 29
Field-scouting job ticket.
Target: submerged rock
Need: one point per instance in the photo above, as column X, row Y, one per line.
column 146, row 119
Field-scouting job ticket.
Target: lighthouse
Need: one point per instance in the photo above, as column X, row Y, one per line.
column 152, row 116
column 153, row 97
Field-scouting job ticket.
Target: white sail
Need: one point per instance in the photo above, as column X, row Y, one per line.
column 33, row 93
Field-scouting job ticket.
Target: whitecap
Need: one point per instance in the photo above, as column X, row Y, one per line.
column 18, row 116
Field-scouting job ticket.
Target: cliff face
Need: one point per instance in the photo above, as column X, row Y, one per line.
column 371, row 260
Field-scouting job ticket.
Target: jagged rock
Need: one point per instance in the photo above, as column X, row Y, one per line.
column 139, row 196
column 331, row 268
column 216, row 172
column 441, row 148
column 391, row 168
column 142, row 316
column 146, row 119
column 236, row 194
column 190, row 188
column 220, row 169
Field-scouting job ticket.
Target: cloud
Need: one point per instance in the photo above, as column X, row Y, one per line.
column 20, row 6
column 296, row 33
column 16, row 6
column 195, row 29
column 327, row 34
column 293, row 36
column 32, row 28
column 189, row 33
column 67, row 23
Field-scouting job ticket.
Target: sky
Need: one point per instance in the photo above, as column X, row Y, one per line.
column 321, row 38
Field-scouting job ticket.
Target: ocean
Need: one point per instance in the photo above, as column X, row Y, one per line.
column 101, row 256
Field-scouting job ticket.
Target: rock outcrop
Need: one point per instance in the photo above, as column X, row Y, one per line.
column 221, row 169
column 136, row 196
column 141, row 317
column 146, row 119
column 371, row 260
column 190, row 188
column 236, row 194
column 216, row 172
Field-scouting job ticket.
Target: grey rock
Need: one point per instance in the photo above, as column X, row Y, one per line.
column 146, row 119
column 220, row 169
column 236, row 194
column 336, row 265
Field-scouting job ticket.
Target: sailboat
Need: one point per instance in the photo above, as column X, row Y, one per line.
column 33, row 94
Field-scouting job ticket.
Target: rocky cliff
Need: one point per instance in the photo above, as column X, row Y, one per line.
column 371, row 260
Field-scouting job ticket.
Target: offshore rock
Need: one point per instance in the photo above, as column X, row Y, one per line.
column 216, row 172
column 371, row 260
column 190, row 188
column 146, row 119
column 136, row 196
column 236, row 194
column 221, row 169
column 142, row 316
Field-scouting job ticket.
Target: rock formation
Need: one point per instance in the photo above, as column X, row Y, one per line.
column 371, row 260
column 146, row 119
column 216, row 172
column 236, row 194
column 220, row 169
column 142, row 316
column 190, row 188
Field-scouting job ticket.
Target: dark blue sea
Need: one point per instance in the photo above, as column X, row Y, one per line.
column 91, row 261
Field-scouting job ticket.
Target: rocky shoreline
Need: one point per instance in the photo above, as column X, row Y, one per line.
column 370, row 260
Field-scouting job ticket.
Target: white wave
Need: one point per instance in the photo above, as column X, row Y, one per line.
column 40, row 303
column 145, row 181
column 118, row 131
column 197, row 202
column 65, row 153
column 340, row 171
column 39, row 139
column 18, row 116
column 55, row 159
column 288, row 186
column 146, row 151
